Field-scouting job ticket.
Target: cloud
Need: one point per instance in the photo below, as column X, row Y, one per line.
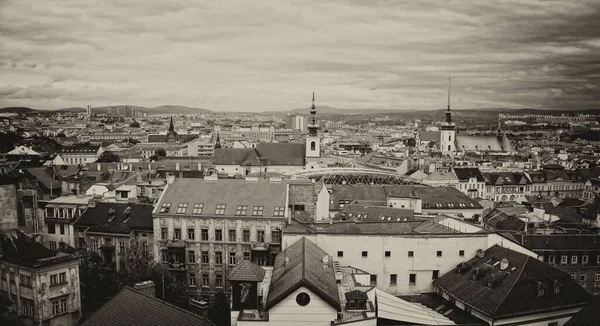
column 270, row 55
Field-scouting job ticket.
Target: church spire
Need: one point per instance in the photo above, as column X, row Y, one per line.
column 312, row 128
column 448, row 111
column 218, row 143
column 499, row 128
column 171, row 126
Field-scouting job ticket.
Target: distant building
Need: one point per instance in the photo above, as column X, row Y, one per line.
column 81, row 155
column 297, row 122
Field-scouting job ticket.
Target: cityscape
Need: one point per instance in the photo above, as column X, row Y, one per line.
column 422, row 192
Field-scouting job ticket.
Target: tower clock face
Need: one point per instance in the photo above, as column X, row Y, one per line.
column 303, row 298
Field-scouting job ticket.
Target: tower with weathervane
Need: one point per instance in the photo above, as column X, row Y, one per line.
column 448, row 131
column 313, row 141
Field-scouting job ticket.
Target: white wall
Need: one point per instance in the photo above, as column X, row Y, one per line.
column 288, row 312
column 322, row 204
column 423, row 263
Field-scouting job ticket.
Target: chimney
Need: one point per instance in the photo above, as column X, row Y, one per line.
column 146, row 288
column 199, row 307
column 480, row 253
column 503, row 264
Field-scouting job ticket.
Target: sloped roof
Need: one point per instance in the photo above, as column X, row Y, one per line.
column 97, row 218
column 132, row 308
column 503, row 222
column 246, row 271
column 516, row 294
column 231, row 156
column 562, row 242
column 429, row 136
column 369, row 228
column 231, row 192
column 282, row 153
column 18, row 248
column 304, row 267
column 593, row 209
column 466, row 173
column 588, row 316
column 42, row 175
column 505, row 178
column 483, row 143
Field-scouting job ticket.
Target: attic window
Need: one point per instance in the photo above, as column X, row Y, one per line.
column 382, row 218
column 540, row 293
column 279, row 211
column 556, row 290
column 257, row 210
column 182, row 208
column 165, row 207
column 365, row 217
column 197, row 209
column 220, row 210
column 241, row 210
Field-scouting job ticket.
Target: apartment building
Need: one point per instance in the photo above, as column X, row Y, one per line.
column 60, row 214
column 42, row 285
column 506, row 186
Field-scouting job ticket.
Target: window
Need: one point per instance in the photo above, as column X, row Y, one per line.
column 81, row 242
column 27, row 307
column 192, row 279
column 298, row 207
column 246, row 255
column 62, row 228
column 59, row 306
column 232, row 258
column 241, row 210
column 461, row 253
column 191, row 234
column 584, row 259
column 582, row 276
column 540, row 292
column 556, row 290
column 205, row 280
column 205, row 257
column 182, row 208
column 219, row 280
column 144, row 247
column 25, row 280
column 412, row 279
column 279, row 211
column 218, row 235
column 439, row 253
column 598, row 260
column 313, row 145
column 164, row 255
column 573, row 259
column 220, row 210
column 260, row 236
column 275, row 236
column 51, row 228
column 597, row 277
column 563, row 259
column 165, row 207
column 218, row 258
column 554, row 323
column 435, row 275
column 232, row 237
column 388, row 254
column 177, row 234
column 411, row 253
column 257, row 210
column 340, row 254
column 365, row 254
column 121, row 247
column 62, row 277
column 204, row 234
column 191, row 257
column 373, row 279
column 52, row 245
column 197, row 210
column 551, row 259
column 163, row 233
column 393, row 279
column 246, row 235
column 573, row 275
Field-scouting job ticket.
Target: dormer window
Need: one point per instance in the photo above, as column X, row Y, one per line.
column 257, row 210
column 279, row 211
column 556, row 290
column 182, row 208
column 197, row 210
column 165, row 207
column 220, row 210
column 241, row 210
column 540, row 293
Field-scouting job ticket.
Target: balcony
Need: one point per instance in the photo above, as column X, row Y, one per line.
column 175, row 243
column 259, row 246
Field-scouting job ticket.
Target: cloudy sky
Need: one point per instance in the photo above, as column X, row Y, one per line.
column 256, row 55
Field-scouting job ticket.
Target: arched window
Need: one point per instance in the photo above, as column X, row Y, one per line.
column 313, row 145
column 450, row 138
column 449, row 148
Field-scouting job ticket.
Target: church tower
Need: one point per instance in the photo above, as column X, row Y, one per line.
column 313, row 142
column 448, row 132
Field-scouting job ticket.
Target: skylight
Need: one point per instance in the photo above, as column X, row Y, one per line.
column 257, row 210
column 165, row 207
column 182, row 208
column 197, row 209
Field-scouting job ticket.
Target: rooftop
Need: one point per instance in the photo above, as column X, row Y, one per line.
column 524, row 286
column 126, row 219
column 18, row 248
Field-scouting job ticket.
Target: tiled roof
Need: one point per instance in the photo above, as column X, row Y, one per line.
column 282, row 153
column 588, row 316
column 466, row 173
column 505, row 178
column 483, row 143
column 593, row 209
column 231, row 192
column 562, row 242
column 246, row 271
column 132, row 308
column 515, row 290
column 97, row 218
column 304, row 267
column 374, row 213
column 429, row 136
column 431, row 197
column 566, row 214
column 18, row 248
column 368, row 228
column 503, row 222
column 80, row 150
column 231, row 156
column 44, row 177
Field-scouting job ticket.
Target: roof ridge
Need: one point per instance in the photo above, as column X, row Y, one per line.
column 513, row 285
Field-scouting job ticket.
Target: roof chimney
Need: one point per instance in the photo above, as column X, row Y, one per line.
column 480, row 253
column 503, row 264
column 111, row 214
column 146, row 288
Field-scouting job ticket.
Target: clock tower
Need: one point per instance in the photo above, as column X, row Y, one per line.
column 313, row 142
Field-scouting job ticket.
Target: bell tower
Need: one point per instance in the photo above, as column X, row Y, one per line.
column 313, row 142
column 448, row 131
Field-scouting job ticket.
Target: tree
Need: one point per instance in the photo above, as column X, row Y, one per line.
column 219, row 312
column 160, row 152
column 108, row 157
column 98, row 283
column 134, row 124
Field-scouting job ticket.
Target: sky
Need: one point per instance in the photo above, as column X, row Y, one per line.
column 265, row 55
